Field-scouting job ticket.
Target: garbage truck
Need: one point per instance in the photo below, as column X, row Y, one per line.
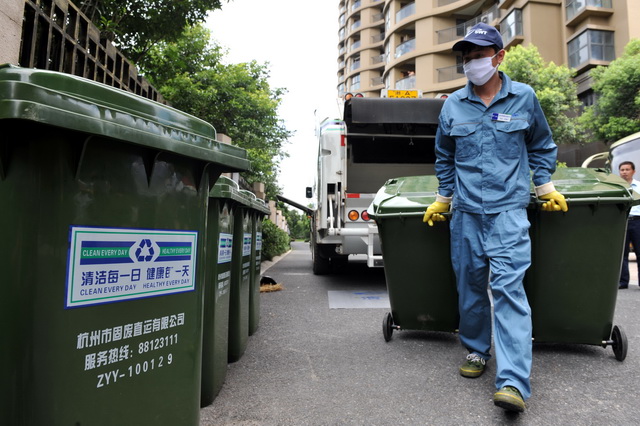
column 376, row 139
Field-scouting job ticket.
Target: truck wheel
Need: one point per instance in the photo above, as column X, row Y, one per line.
column 321, row 264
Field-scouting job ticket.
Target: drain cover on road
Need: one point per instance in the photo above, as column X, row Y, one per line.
column 358, row 299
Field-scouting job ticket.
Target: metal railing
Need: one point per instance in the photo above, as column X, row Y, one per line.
column 57, row 36
column 450, row 73
column 406, row 47
column 406, row 83
column 408, row 10
column 377, row 38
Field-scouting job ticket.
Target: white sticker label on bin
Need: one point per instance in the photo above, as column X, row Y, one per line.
column 108, row 265
column 225, row 248
column 258, row 241
column 246, row 245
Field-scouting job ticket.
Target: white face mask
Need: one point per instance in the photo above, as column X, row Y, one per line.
column 479, row 71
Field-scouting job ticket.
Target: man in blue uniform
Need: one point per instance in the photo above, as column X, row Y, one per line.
column 627, row 169
column 491, row 134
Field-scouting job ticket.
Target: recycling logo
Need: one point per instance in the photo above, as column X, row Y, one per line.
column 145, row 251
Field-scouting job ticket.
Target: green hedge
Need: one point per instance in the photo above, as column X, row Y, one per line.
column 274, row 240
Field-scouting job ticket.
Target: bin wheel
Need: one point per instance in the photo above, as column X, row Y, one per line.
column 387, row 326
column 619, row 344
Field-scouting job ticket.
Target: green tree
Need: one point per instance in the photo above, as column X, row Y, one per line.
column 554, row 88
column 616, row 112
column 236, row 99
column 297, row 221
column 136, row 25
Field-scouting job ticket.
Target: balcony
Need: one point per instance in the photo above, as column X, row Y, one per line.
column 591, row 48
column 355, row 45
column 511, row 26
column 578, row 10
column 406, row 47
column 455, row 33
column 355, row 65
column 450, row 73
column 356, row 5
column 377, row 81
column 378, row 59
column 356, row 25
column 406, row 11
column 406, row 83
column 377, row 38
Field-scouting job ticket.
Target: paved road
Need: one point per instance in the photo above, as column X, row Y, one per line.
column 312, row 365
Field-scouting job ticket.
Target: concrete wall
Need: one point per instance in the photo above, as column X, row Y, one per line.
column 10, row 30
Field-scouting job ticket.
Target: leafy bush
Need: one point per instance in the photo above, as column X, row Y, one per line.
column 274, row 240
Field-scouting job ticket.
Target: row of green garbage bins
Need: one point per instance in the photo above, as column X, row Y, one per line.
column 572, row 284
column 130, row 266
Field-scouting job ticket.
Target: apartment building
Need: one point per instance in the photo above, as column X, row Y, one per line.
column 404, row 44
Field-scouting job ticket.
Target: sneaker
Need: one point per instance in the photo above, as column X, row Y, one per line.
column 509, row 398
column 473, row 367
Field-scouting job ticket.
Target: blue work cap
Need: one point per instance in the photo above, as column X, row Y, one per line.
column 481, row 35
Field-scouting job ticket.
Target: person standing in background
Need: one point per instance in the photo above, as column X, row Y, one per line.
column 627, row 169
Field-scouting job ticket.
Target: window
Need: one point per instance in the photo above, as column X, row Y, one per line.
column 355, row 82
column 355, row 63
column 511, row 26
column 575, row 6
column 591, row 45
column 587, row 98
column 460, row 27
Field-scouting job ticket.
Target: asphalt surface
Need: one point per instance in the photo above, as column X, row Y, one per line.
column 311, row 365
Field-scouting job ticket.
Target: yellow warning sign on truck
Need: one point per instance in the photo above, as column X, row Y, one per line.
column 403, row 94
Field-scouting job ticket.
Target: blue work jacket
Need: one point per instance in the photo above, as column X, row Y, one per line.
column 484, row 154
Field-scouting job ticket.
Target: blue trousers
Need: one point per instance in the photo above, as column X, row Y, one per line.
column 633, row 237
column 495, row 249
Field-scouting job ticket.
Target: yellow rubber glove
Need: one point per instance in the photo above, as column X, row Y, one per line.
column 555, row 203
column 432, row 214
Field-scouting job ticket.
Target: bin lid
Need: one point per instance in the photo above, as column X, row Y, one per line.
column 76, row 103
column 585, row 185
column 261, row 207
column 404, row 196
column 227, row 188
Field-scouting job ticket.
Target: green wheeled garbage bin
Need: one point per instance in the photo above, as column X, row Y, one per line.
column 572, row 284
column 260, row 210
column 223, row 199
column 104, row 198
column 240, row 277
column 417, row 262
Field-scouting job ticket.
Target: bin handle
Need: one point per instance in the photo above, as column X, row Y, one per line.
column 592, row 200
column 408, row 214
